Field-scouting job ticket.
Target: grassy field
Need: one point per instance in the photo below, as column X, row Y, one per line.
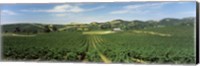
column 153, row 45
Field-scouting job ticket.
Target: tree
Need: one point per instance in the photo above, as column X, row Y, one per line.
column 94, row 26
column 124, row 27
column 55, row 28
column 169, row 21
column 46, row 29
column 105, row 26
column 17, row 30
column 6, row 31
column 35, row 31
column 24, row 31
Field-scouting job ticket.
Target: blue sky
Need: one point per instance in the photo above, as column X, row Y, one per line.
column 65, row 13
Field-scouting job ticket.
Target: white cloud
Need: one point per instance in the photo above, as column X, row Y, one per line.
column 120, row 12
column 66, row 8
column 8, row 12
column 182, row 2
column 140, row 8
column 60, row 15
column 96, row 8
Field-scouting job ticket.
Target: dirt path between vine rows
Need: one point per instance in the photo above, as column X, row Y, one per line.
column 97, row 40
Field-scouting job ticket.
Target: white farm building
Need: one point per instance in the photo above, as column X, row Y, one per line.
column 117, row 29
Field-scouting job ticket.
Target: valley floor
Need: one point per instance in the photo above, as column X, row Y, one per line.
column 160, row 45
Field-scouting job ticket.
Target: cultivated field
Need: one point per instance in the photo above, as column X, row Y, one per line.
column 154, row 45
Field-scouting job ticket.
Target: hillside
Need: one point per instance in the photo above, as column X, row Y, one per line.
column 26, row 27
column 109, row 25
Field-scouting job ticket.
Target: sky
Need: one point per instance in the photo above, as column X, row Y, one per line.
column 65, row 13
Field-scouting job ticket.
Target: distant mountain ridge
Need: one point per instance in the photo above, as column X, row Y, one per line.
column 118, row 23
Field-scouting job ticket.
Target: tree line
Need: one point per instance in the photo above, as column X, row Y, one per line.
column 109, row 25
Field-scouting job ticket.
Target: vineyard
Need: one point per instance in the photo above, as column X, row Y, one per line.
column 141, row 46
